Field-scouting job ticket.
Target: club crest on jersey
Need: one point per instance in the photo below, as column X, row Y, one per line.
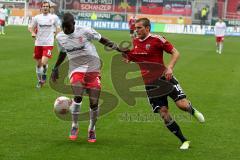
column 80, row 39
column 148, row 46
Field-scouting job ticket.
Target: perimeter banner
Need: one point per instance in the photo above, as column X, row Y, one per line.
column 90, row 5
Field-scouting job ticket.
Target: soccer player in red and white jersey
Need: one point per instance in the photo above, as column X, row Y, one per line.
column 84, row 69
column 43, row 28
column 220, row 29
column 131, row 25
column 3, row 15
column 148, row 50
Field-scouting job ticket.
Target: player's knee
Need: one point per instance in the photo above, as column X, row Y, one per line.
column 182, row 103
column 94, row 107
column 164, row 112
column 77, row 99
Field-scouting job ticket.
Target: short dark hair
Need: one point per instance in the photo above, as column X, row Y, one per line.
column 145, row 21
column 68, row 19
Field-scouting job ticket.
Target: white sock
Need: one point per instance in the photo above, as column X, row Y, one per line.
column 220, row 47
column 75, row 110
column 39, row 72
column 93, row 118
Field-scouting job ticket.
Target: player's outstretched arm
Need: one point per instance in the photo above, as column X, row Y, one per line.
column 112, row 45
column 61, row 57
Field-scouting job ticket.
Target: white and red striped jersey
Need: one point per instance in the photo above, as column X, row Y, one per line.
column 220, row 29
column 81, row 52
column 3, row 14
column 46, row 26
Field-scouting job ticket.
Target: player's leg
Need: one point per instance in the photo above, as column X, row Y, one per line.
column 180, row 100
column 173, row 127
column 77, row 88
column 45, row 67
column 185, row 105
column 1, row 27
column 2, row 24
column 47, row 54
column 217, row 44
column 94, row 89
column 93, row 113
column 159, row 105
column 217, row 47
column 39, row 70
column 75, row 111
column 221, row 45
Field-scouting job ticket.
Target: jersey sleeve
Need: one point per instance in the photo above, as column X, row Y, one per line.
column 166, row 45
column 60, row 47
column 92, row 34
column 56, row 22
column 34, row 22
column 129, row 55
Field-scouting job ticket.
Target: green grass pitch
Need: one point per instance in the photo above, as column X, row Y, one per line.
column 30, row 130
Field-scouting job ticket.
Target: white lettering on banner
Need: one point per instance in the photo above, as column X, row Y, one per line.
column 84, row 23
column 99, row 15
column 97, row 1
column 125, row 26
column 95, row 7
column 106, row 25
column 153, row 1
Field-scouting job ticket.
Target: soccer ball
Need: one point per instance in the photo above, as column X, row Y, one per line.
column 62, row 105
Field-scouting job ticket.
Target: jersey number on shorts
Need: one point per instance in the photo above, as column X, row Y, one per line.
column 179, row 88
column 49, row 53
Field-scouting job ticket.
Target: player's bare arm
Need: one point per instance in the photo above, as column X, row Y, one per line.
column 58, row 29
column 108, row 43
column 112, row 45
column 174, row 57
column 61, row 57
column 32, row 31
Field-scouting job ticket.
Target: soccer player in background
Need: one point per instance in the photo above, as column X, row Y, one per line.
column 220, row 29
column 131, row 25
column 52, row 12
column 84, row 69
column 148, row 52
column 3, row 17
column 43, row 28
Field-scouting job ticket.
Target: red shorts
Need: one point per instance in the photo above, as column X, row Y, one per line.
column 2, row 22
column 40, row 51
column 87, row 79
column 219, row 39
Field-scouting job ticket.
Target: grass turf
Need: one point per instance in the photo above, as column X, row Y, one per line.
column 30, row 130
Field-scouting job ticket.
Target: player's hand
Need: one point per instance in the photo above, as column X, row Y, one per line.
column 54, row 75
column 33, row 35
column 125, row 60
column 168, row 73
column 123, row 50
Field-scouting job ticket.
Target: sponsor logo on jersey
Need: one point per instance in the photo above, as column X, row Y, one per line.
column 139, row 53
column 44, row 25
column 147, row 46
column 75, row 49
column 80, row 39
